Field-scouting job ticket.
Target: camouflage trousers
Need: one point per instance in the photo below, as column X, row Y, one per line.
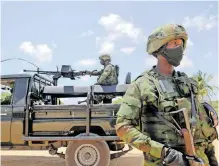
column 100, row 98
column 200, row 152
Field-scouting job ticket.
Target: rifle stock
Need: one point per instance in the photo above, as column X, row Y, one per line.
column 189, row 143
column 189, row 146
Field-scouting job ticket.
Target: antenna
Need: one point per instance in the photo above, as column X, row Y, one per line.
column 24, row 61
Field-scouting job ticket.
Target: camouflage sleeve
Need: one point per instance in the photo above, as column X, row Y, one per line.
column 97, row 73
column 105, row 74
column 127, row 121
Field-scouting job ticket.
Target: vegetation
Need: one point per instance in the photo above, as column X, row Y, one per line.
column 204, row 89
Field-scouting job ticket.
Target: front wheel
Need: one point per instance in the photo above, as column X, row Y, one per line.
column 89, row 153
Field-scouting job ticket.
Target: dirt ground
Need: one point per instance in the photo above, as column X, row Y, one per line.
column 43, row 158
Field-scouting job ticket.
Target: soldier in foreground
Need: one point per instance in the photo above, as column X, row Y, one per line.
column 106, row 76
column 148, row 118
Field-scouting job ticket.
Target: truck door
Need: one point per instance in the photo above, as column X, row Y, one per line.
column 7, row 91
column 18, row 114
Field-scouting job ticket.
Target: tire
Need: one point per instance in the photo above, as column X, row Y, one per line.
column 87, row 153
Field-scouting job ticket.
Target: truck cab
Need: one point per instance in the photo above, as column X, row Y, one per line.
column 14, row 97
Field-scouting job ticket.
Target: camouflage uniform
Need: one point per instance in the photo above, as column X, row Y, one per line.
column 137, row 122
column 107, row 76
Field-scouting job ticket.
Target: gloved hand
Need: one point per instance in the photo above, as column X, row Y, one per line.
column 173, row 157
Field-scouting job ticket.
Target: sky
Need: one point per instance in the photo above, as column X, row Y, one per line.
column 50, row 34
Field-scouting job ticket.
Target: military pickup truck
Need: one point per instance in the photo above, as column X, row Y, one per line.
column 32, row 117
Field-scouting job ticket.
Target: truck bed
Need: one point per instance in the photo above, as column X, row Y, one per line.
column 61, row 119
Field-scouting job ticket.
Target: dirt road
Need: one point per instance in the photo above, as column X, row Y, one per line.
column 43, row 158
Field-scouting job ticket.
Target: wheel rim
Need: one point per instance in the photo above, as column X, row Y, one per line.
column 87, row 155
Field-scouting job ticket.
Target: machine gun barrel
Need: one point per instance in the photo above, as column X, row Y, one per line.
column 43, row 72
column 66, row 72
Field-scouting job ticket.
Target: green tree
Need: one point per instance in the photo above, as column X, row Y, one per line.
column 204, row 89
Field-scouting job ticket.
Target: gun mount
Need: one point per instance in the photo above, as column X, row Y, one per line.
column 66, row 72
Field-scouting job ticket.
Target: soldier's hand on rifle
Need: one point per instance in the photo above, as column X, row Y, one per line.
column 173, row 157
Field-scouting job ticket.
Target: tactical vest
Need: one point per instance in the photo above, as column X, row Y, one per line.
column 168, row 90
column 112, row 78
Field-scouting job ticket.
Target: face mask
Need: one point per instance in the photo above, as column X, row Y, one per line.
column 102, row 62
column 173, row 55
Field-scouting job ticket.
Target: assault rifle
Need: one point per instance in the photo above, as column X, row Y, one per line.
column 66, row 72
column 185, row 132
column 189, row 143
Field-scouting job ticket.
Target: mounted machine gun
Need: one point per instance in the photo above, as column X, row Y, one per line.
column 66, row 72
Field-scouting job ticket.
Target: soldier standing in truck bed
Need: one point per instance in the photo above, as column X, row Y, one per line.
column 106, row 77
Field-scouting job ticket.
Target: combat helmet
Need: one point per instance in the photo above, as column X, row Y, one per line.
column 105, row 57
column 164, row 34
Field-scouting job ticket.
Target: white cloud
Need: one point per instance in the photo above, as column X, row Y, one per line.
column 201, row 22
column 190, row 43
column 27, row 47
column 185, row 63
column 116, row 28
column 41, row 52
column 87, row 33
column 107, row 47
column 128, row 50
column 114, row 23
column 87, row 62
